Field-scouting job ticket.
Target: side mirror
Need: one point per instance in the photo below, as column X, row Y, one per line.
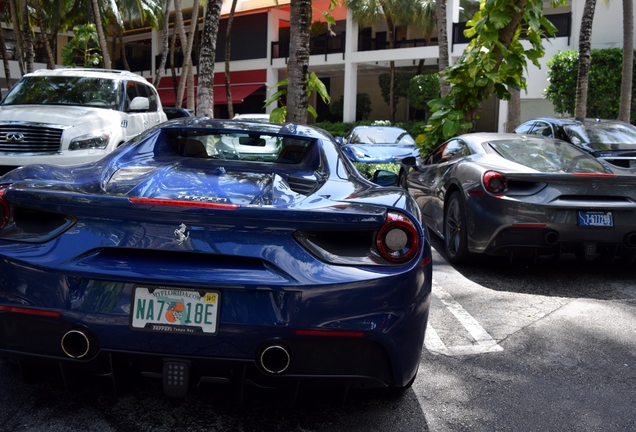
column 409, row 161
column 385, row 178
column 139, row 104
column 339, row 140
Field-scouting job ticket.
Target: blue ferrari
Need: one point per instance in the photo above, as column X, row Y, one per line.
column 378, row 144
column 214, row 251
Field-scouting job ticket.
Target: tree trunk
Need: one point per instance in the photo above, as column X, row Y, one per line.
column 585, row 42
column 122, row 47
column 391, row 27
column 100, row 33
column 179, row 28
column 228, row 37
column 5, row 61
column 45, row 39
column 165, row 46
column 625, row 109
column 442, row 37
column 187, row 74
column 514, row 110
column 27, row 38
column 298, row 65
column 205, row 89
column 18, row 36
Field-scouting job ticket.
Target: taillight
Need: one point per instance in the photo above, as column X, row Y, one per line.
column 494, row 182
column 4, row 209
column 398, row 240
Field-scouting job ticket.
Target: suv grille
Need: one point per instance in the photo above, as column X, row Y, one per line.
column 23, row 138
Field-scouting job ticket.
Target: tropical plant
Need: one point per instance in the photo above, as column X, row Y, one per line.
column 83, row 49
column 423, row 89
column 494, row 61
column 280, row 113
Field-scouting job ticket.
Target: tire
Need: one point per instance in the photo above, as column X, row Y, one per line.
column 455, row 229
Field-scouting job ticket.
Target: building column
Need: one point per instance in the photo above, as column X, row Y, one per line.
column 350, row 71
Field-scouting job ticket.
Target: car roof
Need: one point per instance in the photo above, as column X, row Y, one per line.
column 121, row 75
column 572, row 120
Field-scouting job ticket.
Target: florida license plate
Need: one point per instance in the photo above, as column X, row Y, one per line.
column 175, row 310
column 596, row 219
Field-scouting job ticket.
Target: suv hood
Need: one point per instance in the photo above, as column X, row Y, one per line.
column 62, row 115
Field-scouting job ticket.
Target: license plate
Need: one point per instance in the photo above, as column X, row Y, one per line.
column 596, row 219
column 175, row 310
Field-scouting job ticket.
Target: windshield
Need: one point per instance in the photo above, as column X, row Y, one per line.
column 548, row 156
column 601, row 133
column 381, row 135
column 57, row 90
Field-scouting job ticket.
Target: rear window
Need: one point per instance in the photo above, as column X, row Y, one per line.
column 547, row 156
column 252, row 146
column 601, row 133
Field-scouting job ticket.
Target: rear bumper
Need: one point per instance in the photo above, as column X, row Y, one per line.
column 36, row 344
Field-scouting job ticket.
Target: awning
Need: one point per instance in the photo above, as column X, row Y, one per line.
column 239, row 93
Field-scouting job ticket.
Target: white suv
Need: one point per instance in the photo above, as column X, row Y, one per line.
column 73, row 116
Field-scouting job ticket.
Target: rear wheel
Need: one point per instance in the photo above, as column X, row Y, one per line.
column 455, row 232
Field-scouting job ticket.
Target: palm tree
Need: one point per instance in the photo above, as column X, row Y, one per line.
column 100, row 33
column 186, row 71
column 585, row 42
column 625, row 108
column 228, row 40
column 165, row 29
column 298, row 64
column 205, row 89
column 442, row 37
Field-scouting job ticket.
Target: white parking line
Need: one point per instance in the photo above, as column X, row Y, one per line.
column 484, row 343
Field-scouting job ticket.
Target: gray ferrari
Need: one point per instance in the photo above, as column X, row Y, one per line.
column 525, row 198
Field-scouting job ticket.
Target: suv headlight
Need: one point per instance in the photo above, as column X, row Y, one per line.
column 96, row 140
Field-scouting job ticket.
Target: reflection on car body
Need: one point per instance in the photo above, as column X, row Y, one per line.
column 525, row 197
column 276, row 265
column 613, row 141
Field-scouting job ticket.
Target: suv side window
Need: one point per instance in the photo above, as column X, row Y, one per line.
column 543, row 129
column 149, row 92
column 135, row 89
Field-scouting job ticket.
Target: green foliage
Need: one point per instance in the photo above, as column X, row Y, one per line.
column 402, row 81
column 363, row 106
column 367, row 169
column 336, row 128
column 83, row 49
column 603, row 97
column 494, row 61
column 279, row 114
column 423, row 89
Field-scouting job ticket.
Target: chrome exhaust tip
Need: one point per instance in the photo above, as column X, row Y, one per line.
column 275, row 359
column 76, row 344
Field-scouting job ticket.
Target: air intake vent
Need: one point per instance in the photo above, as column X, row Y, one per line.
column 302, row 185
column 26, row 138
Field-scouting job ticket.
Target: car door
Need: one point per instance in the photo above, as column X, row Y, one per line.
column 442, row 177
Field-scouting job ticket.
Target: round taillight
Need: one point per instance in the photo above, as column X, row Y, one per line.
column 398, row 240
column 4, row 210
column 494, row 182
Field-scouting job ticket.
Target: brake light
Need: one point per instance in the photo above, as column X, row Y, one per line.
column 4, row 209
column 592, row 174
column 494, row 182
column 29, row 311
column 182, row 203
column 398, row 240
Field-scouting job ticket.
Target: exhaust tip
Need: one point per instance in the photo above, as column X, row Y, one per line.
column 275, row 359
column 551, row 238
column 76, row 344
column 630, row 239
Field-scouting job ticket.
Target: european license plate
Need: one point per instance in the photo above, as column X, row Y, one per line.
column 175, row 310
column 596, row 219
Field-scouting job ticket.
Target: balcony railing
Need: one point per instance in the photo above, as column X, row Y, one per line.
column 319, row 45
column 563, row 23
